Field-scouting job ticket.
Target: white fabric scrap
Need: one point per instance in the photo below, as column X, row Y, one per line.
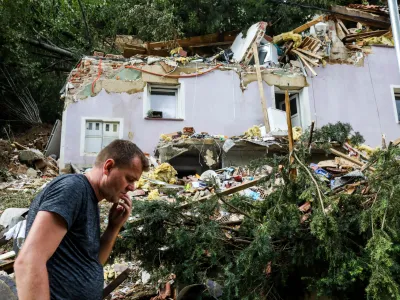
column 18, row 231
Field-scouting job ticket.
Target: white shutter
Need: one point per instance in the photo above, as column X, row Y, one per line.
column 93, row 136
column 110, row 132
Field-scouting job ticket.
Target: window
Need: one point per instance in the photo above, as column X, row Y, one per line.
column 294, row 106
column 98, row 135
column 396, row 95
column 163, row 101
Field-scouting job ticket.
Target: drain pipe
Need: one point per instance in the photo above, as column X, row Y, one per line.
column 394, row 20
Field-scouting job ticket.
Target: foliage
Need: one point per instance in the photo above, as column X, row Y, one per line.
column 41, row 41
column 347, row 247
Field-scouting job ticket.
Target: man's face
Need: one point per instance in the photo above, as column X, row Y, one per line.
column 116, row 182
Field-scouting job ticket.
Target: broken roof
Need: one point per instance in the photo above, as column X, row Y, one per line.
column 345, row 36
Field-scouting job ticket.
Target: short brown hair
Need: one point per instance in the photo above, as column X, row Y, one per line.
column 122, row 152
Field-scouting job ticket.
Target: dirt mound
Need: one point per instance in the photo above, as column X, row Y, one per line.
column 5, row 152
column 35, row 137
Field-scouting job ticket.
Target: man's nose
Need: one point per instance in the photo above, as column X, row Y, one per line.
column 130, row 187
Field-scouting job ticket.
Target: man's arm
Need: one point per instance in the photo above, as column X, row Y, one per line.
column 117, row 217
column 45, row 235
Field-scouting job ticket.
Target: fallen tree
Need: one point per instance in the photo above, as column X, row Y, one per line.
column 302, row 237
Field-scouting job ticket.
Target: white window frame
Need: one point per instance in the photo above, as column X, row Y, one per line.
column 98, row 119
column 393, row 89
column 180, row 101
column 303, row 104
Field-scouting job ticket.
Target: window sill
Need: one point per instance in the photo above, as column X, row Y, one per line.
column 163, row 119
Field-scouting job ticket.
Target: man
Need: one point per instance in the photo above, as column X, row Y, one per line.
column 63, row 253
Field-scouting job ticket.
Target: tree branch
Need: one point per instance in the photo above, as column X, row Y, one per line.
column 49, row 48
column 86, row 25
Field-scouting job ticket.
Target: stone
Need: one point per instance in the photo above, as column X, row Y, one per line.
column 10, row 213
column 30, row 155
column 22, row 169
column 50, row 173
column 6, row 292
column 40, row 164
column 31, row 173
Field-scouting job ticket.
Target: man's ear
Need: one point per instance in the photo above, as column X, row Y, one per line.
column 108, row 165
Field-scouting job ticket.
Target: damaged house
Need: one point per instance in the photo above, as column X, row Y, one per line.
column 339, row 67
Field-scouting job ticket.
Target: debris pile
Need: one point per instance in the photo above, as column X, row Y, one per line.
column 343, row 36
column 304, row 219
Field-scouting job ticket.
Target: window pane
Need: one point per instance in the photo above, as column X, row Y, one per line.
column 398, row 108
column 293, row 106
column 107, row 127
column 89, row 125
column 115, row 127
column 97, row 126
column 166, row 104
column 163, row 93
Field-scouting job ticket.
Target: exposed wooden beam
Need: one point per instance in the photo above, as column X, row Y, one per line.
column 197, row 40
column 261, row 88
column 356, row 15
column 306, row 58
column 309, row 53
column 308, row 25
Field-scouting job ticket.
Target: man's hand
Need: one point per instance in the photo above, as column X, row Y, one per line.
column 120, row 212
column 117, row 217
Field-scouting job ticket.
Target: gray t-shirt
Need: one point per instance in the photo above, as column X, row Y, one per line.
column 74, row 269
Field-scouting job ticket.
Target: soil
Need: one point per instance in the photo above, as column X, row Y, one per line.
column 34, row 137
column 5, row 152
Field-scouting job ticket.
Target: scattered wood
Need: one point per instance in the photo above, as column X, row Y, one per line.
column 308, row 25
column 292, row 171
column 309, row 53
column 226, row 192
column 75, row 169
column 7, row 255
column 357, row 36
column 306, row 58
column 7, row 266
column 353, row 160
column 339, row 30
column 308, row 66
column 311, row 134
column 310, row 44
column 356, row 15
column 116, row 282
column 19, row 146
column 344, row 28
column 287, row 50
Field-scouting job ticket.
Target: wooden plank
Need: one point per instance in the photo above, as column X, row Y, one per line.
column 340, row 33
column 351, row 159
column 355, row 15
column 212, row 44
column 308, row 66
column 306, row 58
column 261, row 88
column 378, row 32
column 287, row 50
column 226, row 192
column 315, row 46
column 308, row 25
column 7, row 266
column 197, row 40
column 116, row 282
column 289, row 124
column 309, row 53
column 311, row 134
column 344, row 28
column 7, row 255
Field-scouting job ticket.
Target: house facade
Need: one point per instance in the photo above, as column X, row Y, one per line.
column 107, row 99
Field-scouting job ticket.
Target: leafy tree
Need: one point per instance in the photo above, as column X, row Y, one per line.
column 41, row 40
